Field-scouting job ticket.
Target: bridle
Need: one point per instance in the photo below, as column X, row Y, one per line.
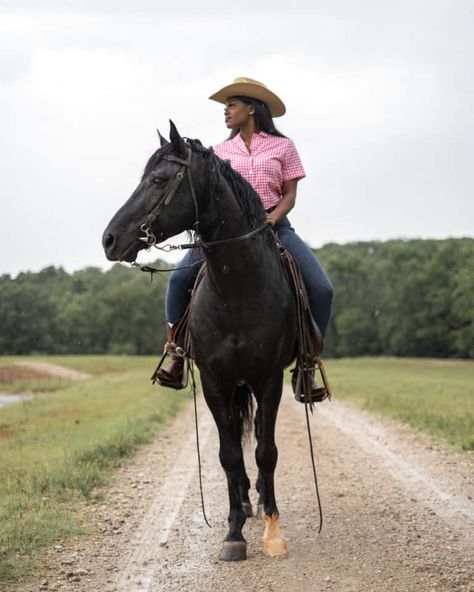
column 150, row 238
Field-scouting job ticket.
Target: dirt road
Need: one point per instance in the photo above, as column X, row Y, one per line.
column 399, row 515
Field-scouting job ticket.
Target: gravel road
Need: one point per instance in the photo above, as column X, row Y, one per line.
column 398, row 515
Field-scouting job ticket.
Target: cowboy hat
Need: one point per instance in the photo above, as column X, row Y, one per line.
column 246, row 87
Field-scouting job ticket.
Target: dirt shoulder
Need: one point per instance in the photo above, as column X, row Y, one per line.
column 398, row 509
column 54, row 370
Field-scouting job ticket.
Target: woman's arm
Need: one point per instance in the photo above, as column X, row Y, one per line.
column 286, row 203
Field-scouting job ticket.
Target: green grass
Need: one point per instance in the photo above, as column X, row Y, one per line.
column 39, row 385
column 56, row 448
column 435, row 396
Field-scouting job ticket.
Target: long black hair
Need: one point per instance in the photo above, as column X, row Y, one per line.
column 262, row 116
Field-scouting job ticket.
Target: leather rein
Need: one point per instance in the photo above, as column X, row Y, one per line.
column 150, row 238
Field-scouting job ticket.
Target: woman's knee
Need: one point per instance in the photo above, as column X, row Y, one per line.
column 326, row 290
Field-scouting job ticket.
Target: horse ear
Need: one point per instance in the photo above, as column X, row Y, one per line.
column 178, row 143
column 163, row 141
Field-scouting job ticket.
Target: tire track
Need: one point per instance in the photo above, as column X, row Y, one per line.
column 446, row 499
column 138, row 572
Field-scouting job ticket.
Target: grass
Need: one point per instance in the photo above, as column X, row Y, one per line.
column 56, row 448
column 431, row 395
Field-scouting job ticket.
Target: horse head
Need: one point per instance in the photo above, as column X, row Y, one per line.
column 146, row 217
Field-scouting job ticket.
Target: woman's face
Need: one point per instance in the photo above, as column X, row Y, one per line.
column 237, row 113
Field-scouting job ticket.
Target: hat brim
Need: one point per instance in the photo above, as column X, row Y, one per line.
column 254, row 91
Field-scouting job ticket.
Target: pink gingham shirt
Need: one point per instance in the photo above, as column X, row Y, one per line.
column 271, row 161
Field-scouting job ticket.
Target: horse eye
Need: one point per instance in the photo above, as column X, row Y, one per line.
column 158, row 180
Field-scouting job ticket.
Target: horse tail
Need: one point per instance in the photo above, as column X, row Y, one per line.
column 242, row 410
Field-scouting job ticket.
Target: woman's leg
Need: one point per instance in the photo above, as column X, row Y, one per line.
column 178, row 293
column 318, row 286
column 180, row 285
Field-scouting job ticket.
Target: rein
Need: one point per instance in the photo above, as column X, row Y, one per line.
column 196, row 245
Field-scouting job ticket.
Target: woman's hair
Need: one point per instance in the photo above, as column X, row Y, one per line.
column 262, row 116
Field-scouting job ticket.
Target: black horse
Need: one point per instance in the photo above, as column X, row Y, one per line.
column 242, row 318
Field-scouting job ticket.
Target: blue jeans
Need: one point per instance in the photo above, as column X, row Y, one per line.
column 318, row 286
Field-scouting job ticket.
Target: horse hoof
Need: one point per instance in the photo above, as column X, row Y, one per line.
column 259, row 514
column 247, row 508
column 234, row 551
column 275, row 547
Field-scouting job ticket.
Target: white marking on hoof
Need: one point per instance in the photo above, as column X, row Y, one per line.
column 274, row 545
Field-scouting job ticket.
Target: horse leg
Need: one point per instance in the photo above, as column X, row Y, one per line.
column 243, row 392
column 259, row 486
column 266, row 454
column 244, row 488
column 234, row 547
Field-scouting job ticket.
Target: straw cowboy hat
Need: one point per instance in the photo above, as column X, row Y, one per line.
column 246, row 87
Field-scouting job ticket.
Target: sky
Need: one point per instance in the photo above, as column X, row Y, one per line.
column 379, row 98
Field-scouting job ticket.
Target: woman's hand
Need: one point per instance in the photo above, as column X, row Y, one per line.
column 271, row 220
column 285, row 204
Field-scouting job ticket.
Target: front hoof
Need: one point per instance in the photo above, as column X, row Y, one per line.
column 234, row 551
column 275, row 547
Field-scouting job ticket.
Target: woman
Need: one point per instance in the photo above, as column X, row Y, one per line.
column 270, row 163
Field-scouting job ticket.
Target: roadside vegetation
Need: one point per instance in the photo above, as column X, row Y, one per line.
column 56, row 448
column 411, row 298
column 436, row 396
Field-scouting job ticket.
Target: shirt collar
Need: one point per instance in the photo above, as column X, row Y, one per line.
column 238, row 140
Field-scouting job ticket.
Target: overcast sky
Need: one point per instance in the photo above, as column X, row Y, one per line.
column 379, row 98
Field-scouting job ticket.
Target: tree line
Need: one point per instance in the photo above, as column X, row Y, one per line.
column 398, row 297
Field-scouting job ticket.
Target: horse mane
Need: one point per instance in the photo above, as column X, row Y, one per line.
column 246, row 196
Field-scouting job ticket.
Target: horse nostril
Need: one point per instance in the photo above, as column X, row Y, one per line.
column 108, row 241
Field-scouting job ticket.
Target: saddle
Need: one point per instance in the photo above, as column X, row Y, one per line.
column 309, row 341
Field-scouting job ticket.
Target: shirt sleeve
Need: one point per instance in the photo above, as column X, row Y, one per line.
column 221, row 150
column 292, row 167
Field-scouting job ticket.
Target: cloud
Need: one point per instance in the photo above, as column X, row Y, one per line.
column 378, row 94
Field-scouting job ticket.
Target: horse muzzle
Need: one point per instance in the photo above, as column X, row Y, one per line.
column 115, row 251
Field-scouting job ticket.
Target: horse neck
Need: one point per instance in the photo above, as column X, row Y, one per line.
column 222, row 214
column 223, row 219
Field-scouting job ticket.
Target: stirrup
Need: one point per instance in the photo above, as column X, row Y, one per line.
column 321, row 394
column 160, row 376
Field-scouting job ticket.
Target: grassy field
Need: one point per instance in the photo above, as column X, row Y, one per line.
column 57, row 447
column 436, row 396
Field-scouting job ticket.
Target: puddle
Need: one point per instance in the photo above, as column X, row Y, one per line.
column 9, row 399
